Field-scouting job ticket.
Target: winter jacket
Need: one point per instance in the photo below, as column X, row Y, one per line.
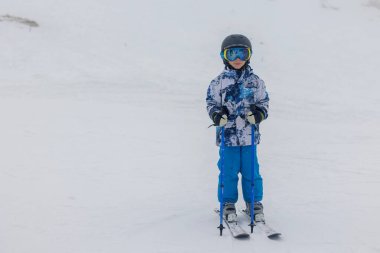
column 236, row 90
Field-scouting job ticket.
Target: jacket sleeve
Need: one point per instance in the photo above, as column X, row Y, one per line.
column 213, row 98
column 262, row 99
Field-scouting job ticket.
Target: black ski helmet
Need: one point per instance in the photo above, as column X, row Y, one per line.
column 236, row 40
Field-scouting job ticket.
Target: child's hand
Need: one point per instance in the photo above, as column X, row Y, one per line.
column 254, row 116
column 219, row 119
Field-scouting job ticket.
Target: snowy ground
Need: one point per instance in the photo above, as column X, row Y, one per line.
column 104, row 139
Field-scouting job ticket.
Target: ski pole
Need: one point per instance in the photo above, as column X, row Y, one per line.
column 221, row 227
column 253, row 147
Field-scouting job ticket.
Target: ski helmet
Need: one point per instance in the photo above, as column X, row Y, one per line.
column 236, row 40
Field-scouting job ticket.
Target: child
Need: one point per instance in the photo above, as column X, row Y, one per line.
column 237, row 100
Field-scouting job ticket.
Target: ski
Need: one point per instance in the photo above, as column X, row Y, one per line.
column 267, row 230
column 236, row 230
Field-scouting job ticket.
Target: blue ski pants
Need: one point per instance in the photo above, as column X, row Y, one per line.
column 238, row 160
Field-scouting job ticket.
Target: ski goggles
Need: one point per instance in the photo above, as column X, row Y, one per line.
column 231, row 54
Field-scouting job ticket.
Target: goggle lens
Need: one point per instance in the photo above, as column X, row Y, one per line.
column 231, row 54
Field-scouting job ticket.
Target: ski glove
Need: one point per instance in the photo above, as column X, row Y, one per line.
column 255, row 115
column 220, row 118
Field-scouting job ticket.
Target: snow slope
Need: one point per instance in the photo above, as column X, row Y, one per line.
column 104, row 139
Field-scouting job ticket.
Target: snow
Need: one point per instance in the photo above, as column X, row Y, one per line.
column 104, row 139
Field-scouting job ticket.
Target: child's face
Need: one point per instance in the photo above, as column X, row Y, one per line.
column 237, row 64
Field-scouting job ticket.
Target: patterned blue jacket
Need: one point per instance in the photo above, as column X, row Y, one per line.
column 236, row 90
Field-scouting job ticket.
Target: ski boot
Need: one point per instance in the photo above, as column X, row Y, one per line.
column 258, row 211
column 229, row 212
